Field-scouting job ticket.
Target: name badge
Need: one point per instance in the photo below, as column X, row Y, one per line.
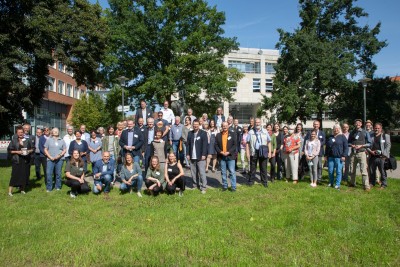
column 131, row 171
column 23, row 139
column 177, row 130
column 239, row 130
column 320, row 136
column 333, row 140
column 56, row 144
column 135, row 135
column 198, row 138
column 157, row 173
column 170, row 170
column 356, row 137
column 142, row 129
column 383, row 141
column 229, row 138
column 96, row 141
column 80, row 169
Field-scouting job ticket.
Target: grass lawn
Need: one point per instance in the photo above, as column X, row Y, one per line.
column 395, row 150
column 283, row 225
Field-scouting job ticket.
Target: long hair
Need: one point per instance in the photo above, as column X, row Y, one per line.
column 74, row 161
column 157, row 168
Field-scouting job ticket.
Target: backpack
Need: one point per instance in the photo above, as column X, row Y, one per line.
column 390, row 163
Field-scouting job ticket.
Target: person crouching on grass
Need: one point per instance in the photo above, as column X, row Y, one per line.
column 155, row 181
column 131, row 175
column 103, row 171
column 75, row 174
column 174, row 175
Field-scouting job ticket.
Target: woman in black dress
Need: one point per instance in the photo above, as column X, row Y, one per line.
column 20, row 150
column 75, row 175
column 174, row 175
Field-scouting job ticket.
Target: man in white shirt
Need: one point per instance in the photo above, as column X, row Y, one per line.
column 68, row 138
column 168, row 114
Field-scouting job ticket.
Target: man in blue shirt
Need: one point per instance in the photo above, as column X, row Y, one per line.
column 103, row 172
column 175, row 135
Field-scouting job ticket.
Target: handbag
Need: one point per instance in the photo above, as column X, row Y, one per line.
column 263, row 151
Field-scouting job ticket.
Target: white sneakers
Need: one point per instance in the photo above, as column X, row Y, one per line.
column 139, row 194
column 72, row 195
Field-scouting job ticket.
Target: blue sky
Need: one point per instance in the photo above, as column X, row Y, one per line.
column 254, row 23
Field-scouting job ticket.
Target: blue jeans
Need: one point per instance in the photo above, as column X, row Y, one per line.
column 138, row 182
column 184, row 154
column 335, row 164
column 225, row 163
column 175, row 148
column 104, row 179
column 53, row 166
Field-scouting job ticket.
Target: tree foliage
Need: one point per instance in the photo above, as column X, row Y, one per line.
column 170, row 46
column 33, row 33
column 91, row 111
column 319, row 59
column 114, row 99
column 383, row 102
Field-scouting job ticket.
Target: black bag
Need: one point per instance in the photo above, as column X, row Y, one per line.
column 263, row 152
column 390, row 163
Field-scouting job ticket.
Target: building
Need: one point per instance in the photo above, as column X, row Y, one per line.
column 257, row 65
column 58, row 99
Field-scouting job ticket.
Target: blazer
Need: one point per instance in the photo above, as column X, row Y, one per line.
column 98, row 167
column 137, row 141
column 146, row 137
column 231, row 145
column 321, row 137
column 239, row 133
column 139, row 114
column 201, row 144
column 385, row 144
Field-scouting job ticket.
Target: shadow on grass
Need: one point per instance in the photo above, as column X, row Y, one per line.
column 5, row 163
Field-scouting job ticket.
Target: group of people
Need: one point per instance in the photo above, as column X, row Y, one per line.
column 155, row 148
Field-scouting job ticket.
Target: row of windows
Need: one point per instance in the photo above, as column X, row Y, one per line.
column 252, row 67
column 269, row 85
column 63, row 88
column 63, row 68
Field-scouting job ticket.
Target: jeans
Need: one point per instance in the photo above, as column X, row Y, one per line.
column 184, row 155
column 335, row 164
column 138, row 182
column 314, row 170
column 53, row 166
column 104, row 179
column 229, row 164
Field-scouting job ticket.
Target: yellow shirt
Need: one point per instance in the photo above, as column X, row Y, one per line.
column 224, row 141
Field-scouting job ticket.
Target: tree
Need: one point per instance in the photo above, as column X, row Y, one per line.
column 383, row 102
column 33, row 34
column 170, row 46
column 91, row 111
column 114, row 99
column 319, row 59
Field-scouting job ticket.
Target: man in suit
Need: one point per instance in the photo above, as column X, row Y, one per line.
column 131, row 141
column 321, row 137
column 197, row 143
column 143, row 112
column 238, row 131
column 226, row 148
column 148, row 137
column 219, row 118
column 103, row 171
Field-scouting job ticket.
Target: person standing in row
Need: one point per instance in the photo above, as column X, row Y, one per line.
column 148, row 137
column 85, row 135
column 131, row 141
column 219, row 118
column 321, row 138
column 185, row 131
column 37, row 158
column 197, row 153
column 346, row 133
column 175, row 135
column 54, row 148
column 290, row 156
column 168, row 114
column 278, row 153
column 359, row 141
column 20, row 150
column 143, row 113
column 212, row 153
column 335, row 152
column 159, row 149
column 189, row 115
column 311, row 150
column 272, row 159
column 43, row 158
column 226, row 148
column 68, row 138
column 380, row 149
column 259, row 145
column 95, row 145
column 244, row 156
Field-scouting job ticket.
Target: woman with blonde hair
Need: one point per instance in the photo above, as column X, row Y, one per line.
column 155, row 181
column 174, row 175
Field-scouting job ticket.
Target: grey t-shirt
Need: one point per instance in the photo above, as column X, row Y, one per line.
column 54, row 146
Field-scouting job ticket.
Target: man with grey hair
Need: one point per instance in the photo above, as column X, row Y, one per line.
column 54, row 149
column 68, row 138
column 190, row 115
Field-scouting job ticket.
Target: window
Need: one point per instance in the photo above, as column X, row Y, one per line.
column 60, row 88
column 233, row 88
column 269, row 85
column 51, row 85
column 69, row 90
column 270, row 68
column 256, row 85
column 69, row 72
column 76, row 89
column 60, row 66
column 245, row 67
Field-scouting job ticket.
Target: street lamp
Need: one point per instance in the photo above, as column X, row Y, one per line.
column 122, row 80
column 364, row 82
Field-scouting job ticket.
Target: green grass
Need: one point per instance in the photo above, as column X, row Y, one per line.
column 284, row 225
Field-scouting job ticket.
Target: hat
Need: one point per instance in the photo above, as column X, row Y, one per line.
column 358, row 120
column 368, row 121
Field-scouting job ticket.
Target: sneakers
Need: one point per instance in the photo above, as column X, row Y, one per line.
column 180, row 193
column 23, row 192
column 139, row 194
column 10, row 194
column 72, row 195
column 58, row 189
column 337, row 187
column 203, row 191
column 329, row 185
